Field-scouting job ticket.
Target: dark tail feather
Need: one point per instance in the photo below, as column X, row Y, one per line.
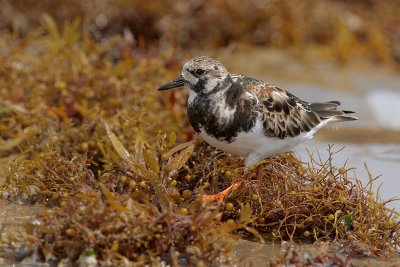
column 344, row 118
column 348, row 112
column 334, row 102
column 316, row 106
column 330, row 110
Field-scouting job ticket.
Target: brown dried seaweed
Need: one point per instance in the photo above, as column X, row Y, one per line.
column 84, row 132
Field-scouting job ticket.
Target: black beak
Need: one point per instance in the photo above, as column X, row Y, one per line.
column 179, row 81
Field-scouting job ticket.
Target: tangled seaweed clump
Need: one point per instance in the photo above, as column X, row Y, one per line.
column 130, row 232
column 292, row 200
column 85, row 133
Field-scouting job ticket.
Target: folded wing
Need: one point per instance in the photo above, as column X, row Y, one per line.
column 285, row 115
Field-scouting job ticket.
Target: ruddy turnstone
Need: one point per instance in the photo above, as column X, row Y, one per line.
column 248, row 117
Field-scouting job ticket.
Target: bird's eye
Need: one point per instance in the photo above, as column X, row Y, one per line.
column 199, row 72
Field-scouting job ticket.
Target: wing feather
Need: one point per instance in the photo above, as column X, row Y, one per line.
column 285, row 115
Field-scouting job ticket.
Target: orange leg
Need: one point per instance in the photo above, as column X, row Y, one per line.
column 260, row 174
column 220, row 197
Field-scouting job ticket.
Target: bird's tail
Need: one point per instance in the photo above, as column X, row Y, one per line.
column 330, row 110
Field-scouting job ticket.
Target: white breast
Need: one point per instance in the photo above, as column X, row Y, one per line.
column 192, row 96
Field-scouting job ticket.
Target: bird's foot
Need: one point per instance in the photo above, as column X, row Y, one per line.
column 220, row 197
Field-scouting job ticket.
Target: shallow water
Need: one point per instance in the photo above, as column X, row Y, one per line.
column 381, row 159
column 14, row 212
column 12, row 216
column 261, row 254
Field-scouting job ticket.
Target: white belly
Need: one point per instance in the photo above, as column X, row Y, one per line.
column 242, row 145
column 255, row 146
column 253, row 141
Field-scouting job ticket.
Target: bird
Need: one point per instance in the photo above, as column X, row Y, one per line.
column 246, row 116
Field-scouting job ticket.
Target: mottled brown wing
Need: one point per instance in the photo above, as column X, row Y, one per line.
column 283, row 113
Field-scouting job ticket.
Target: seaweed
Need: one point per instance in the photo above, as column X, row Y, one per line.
column 85, row 134
column 120, row 233
column 340, row 30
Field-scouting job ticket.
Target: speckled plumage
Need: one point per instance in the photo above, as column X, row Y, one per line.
column 246, row 116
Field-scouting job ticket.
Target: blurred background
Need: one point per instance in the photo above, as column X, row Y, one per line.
column 318, row 50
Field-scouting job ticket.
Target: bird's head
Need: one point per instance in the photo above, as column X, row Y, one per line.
column 200, row 74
